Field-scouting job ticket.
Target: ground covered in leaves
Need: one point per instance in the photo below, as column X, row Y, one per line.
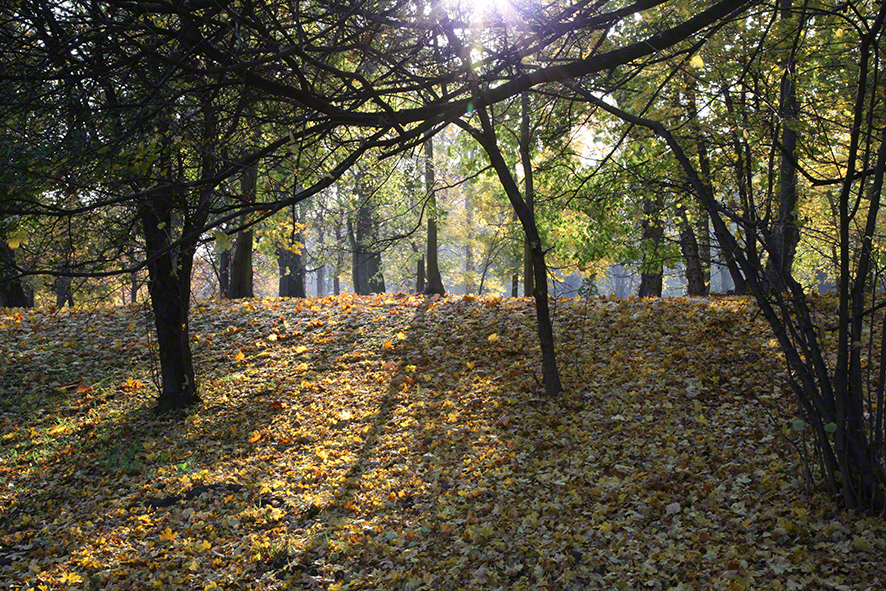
column 401, row 442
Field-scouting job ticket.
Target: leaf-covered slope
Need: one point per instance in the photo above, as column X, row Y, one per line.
column 402, row 443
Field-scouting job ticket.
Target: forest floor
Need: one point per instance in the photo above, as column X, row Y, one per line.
column 404, row 443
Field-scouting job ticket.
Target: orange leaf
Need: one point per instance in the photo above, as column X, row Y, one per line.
column 254, row 437
column 239, row 356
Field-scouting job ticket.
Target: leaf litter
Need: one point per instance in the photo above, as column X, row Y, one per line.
column 401, row 442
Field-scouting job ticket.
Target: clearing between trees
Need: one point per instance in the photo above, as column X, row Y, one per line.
column 402, row 442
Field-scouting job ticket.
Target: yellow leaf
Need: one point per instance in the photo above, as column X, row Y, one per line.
column 696, row 61
column 401, row 336
column 492, row 338
column 70, row 578
column 606, row 527
column 301, row 349
column 203, row 546
column 239, row 356
column 167, row 535
column 254, row 437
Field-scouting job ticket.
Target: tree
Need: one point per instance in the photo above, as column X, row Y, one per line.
column 434, row 282
column 240, row 265
column 164, row 85
column 840, row 399
column 290, row 258
column 363, row 235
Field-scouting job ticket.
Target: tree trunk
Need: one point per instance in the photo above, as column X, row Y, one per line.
column 515, row 276
column 339, row 257
column 321, row 269
column 830, row 393
column 12, row 292
column 487, row 139
column 169, row 285
column 702, row 229
column 420, row 275
column 528, row 191
column 470, row 285
column 785, row 233
column 434, row 280
column 695, row 275
column 133, row 288
column 63, row 294
column 365, row 260
column 240, row 282
column 651, row 267
column 292, row 274
column 224, row 273
column 291, row 263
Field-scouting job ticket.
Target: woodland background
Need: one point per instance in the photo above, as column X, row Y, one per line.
column 160, row 153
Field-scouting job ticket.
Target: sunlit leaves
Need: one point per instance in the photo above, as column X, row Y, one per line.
column 325, row 459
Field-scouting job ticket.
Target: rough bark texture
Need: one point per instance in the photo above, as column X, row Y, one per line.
column 650, row 285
